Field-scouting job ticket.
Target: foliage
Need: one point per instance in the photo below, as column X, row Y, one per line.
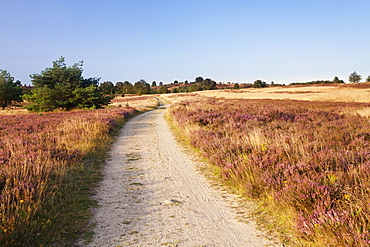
column 163, row 89
column 127, row 88
column 10, row 91
column 368, row 79
column 305, row 161
column 354, row 77
column 118, row 88
column 87, row 82
column 90, row 97
column 141, row 87
column 38, row 156
column 107, row 87
column 335, row 80
column 62, row 87
column 259, row 84
column 42, row 99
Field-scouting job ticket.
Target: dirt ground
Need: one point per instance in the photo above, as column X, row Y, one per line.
column 154, row 195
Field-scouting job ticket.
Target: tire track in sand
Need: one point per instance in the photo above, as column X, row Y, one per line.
column 152, row 195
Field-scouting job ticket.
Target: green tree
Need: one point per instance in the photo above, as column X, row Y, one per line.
column 199, row 79
column 154, row 84
column 141, row 87
column 107, row 87
column 208, row 84
column 354, row 77
column 59, row 75
column 368, row 79
column 60, row 87
column 118, row 88
column 94, row 81
column 236, row 86
column 194, row 87
column 90, row 97
column 10, row 91
column 336, row 80
column 259, row 84
column 42, row 99
column 163, row 89
column 127, row 88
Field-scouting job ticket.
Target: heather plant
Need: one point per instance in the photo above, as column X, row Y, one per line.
column 306, row 162
column 38, row 153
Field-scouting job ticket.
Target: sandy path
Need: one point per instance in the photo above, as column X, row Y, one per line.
column 152, row 195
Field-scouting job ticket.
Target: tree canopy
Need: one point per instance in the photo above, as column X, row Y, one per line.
column 354, row 77
column 10, row 91
column 62, row 87
column 259, row 83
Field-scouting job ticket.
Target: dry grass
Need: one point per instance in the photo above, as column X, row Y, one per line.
column 141, row 103
column 340, row 93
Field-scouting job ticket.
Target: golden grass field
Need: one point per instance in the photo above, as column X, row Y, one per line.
column 334, row 93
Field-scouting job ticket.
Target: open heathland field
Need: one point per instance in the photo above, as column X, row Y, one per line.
column 48, row 164
column 306, row 163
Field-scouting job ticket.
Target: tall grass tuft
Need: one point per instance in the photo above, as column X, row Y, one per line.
column 307, row 163
column 38, row 154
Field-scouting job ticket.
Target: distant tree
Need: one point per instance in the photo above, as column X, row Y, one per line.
column 207, row 84
column 141, row 87
column 259, row 84
column 186, row 82
column 118, row 88
column 336, row 80
column 163, row 89
column 175, row 90
column 127, row 88
column 354, row 77
column 199, row 79
column 10, row 91
column 368, row 79
column 182, row 89
column 194, row 87
column 236, row 86
column 107, row 87
column 176, row 82
column 160, row 83
column 154, row 84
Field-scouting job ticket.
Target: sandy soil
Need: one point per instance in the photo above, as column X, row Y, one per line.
column 153, row 195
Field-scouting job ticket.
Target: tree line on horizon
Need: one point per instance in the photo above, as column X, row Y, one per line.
column 64, row 88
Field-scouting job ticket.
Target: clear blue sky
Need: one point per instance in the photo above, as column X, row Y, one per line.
column 165, row 40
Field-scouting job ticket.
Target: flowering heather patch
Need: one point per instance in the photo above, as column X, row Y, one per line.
column 308, row 158
column 131, row 98
column 37, row 151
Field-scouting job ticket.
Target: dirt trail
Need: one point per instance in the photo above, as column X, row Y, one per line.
column 152, row 195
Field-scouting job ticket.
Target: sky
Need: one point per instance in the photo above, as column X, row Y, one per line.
column 240, row 41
